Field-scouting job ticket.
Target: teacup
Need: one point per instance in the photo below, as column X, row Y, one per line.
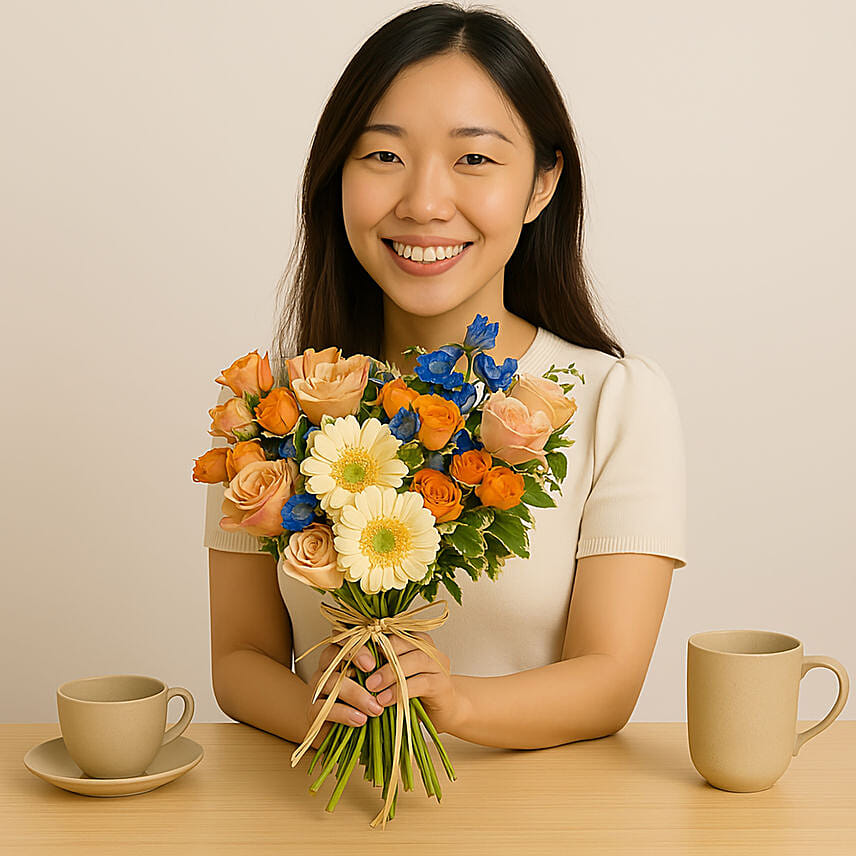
column 113, row 725
column 742, row 697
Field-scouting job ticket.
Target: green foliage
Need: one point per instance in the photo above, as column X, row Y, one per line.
column 412, row 455
column 511, row 531
column 467, row 540
column 535, row 494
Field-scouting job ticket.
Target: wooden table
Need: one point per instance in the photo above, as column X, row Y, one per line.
column 634, row 792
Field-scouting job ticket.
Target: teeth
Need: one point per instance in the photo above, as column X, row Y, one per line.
column 426, row 254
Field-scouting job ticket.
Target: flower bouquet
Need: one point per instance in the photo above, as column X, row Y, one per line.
column 397, row 482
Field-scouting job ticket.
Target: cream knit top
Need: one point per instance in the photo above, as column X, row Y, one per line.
column 625, row 492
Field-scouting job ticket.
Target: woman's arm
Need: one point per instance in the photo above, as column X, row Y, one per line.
column 617, row 605
column 251, row 647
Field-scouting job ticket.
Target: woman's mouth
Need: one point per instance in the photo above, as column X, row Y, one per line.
column 421, row 268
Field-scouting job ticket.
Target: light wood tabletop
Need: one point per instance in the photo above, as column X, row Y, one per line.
column 633, row 792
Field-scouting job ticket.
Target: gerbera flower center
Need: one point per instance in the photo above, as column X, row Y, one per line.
column 355, row 469
column 385, row 541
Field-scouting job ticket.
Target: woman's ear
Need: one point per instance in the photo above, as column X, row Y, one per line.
column 545, row 186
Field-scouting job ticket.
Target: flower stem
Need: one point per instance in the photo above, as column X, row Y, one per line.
column 353, row 753
column 423, row 716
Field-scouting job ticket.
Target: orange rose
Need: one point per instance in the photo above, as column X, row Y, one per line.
column 323, row 383
column 246, row 452
column 254, row 499
column 210, row 468
column 233, row 420
column 469, row 467
column 248, row 374
column 441, row 496
column 395, row 394
column 440, row 419
column 501, row 488
column 277, row 412
column 541, row 393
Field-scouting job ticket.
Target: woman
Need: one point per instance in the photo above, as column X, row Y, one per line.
column 446, row 130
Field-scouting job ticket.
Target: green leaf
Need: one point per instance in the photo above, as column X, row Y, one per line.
column 299, row 441
column 535, row 494
column 558, row 464
column 467, row 540
column 411, row 454
column 509, row 529
column 480, row 517
column 474, row 566
column 495, row 547
column 522, row 511
column 453, row 588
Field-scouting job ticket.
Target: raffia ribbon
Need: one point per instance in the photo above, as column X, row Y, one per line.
column 354, row 629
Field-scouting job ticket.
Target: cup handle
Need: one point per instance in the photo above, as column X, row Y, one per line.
column 843, row 691
column 175, row 731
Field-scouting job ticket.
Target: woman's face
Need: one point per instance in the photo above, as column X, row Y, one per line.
column 435, row 178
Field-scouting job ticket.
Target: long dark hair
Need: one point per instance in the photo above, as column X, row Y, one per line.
column 332, row 300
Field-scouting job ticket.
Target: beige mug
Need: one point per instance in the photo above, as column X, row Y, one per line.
column 113, row 725
column 742, row 697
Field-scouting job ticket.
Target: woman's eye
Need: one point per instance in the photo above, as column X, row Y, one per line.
column 471, row 155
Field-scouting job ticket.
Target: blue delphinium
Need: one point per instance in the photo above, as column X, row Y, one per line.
column 436, row 367
column 434, row 460
column 405, row 424
column 465, row 398
column 480, row 334
column 464, row 442
column 299, row 511
column 286, row 448
column 495, row 377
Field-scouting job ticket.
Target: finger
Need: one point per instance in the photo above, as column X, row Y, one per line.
column 412, row 662
column 418, row 685
column 363, row 658
column 350, row 694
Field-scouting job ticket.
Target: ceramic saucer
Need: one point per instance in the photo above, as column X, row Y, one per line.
column 50, row 761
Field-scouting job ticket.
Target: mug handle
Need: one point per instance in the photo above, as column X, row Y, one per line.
column 175, row 731
column 843, row 691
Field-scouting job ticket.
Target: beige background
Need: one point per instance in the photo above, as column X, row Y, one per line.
column 151, row 158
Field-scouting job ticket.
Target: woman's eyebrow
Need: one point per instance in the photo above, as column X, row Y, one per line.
column 469, row 131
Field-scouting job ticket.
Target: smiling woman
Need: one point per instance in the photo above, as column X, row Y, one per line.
column 444, row 181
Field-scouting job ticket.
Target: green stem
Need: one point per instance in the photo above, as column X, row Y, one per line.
column 352, row 756
column 328, row 737
column 429, row 764
column 334, row 755
column 420, row 761
column 423, row 716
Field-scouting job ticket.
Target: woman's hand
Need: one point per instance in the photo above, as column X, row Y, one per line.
column 353, row 703
column 425, row 679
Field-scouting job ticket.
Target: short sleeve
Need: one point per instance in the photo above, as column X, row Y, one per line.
column 214, row 536
column 637, row 502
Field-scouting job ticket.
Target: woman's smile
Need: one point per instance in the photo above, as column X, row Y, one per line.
column 424, row 268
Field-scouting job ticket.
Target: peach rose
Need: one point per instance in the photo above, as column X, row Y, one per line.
column 395, row 394
column 233, row 420
column 469, row 467
column 210, row 468
column 440, row 419
column 501, row 488
column 511, row 432
column 440, row 495
column 254, row 499
column 278, row 412
column 311, row 557
column 541, row 393
column 248, row 374
column 246, row 452
column 323, row 383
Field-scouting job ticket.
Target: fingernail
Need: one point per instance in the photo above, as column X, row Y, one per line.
column 374, row 707
column 366, row 661
column 358, row 717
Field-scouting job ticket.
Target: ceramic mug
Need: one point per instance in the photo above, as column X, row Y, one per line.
column 113, row 725
column 742, row 697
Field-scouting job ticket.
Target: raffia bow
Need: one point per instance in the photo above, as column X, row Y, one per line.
column 354, row 629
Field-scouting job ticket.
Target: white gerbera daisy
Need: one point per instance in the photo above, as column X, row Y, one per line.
column 344, row 458
column 384, row 539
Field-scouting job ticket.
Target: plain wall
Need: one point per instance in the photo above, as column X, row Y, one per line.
column 152, row 155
